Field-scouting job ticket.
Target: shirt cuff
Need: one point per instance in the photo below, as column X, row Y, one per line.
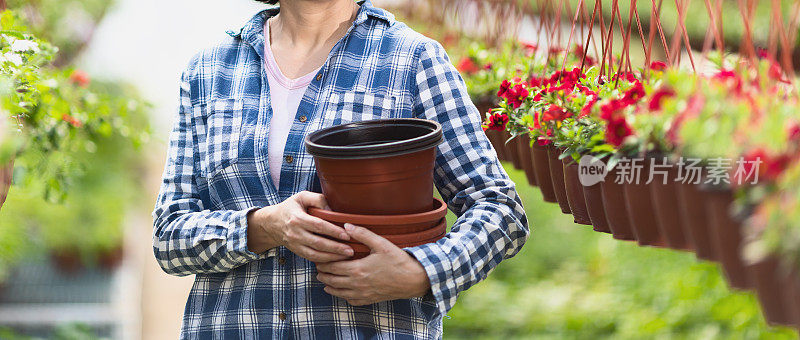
column 440, row 274
column 239, row 233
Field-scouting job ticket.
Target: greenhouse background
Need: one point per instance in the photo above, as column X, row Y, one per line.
column 76, row 257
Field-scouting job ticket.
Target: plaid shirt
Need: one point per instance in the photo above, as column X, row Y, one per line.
column 217, row 171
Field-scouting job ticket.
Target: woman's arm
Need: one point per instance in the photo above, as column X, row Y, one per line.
column 188, row 238
column 491, row 224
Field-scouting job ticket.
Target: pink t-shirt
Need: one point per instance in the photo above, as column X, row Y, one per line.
column 285, row 95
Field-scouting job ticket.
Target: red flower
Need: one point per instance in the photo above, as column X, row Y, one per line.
column 587, row 109
column 71, row 120
column 530, row 48
column 504, row 86
column 776, row 73
column 516, row 95
column 769, row 167
column 80, row 78
column 555, row 113
column 658, row 97
column 634, row 93
column 794, row 132
column 487, row 67
column 617, row 130
column 658, row 65
column 497, row 122
column 467, row 65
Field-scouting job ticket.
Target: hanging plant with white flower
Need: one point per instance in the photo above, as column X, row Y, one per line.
column 50, row 116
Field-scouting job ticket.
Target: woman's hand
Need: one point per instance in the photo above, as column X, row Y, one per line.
column 387, row 273
column 289, row 224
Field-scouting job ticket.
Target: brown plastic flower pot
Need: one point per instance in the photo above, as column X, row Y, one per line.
column 387, row 224
column 695, row 219
column 496, row 138
column 5, row 181
column 511, row 150
column 668, row 214
column 593, row 197
column 577, row 203
column 541, row 168
column 794, row 295
column 405, row 240
column 773, row 290
column 377, row 167
column 727, row 238
column 557, row 174
column 616, row 211
column 526, row 157
column 641, row 211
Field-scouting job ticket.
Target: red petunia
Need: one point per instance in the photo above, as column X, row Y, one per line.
column 71, row 120
column 516, row 95
column 467, row 65
column 658, row 65
column 658, row 96
column 617, row 130
column 504, row 86
column 497, row 122
column 555, row 113
column 530, row 48
column 80, row 78
column 634, row 93
column 793, row 130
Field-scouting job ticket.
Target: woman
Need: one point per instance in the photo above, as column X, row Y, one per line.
column 238, row 181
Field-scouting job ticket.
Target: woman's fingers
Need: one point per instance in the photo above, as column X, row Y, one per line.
column 312, row 199
column 336, row 281
column 320, row 226
column 322, row 244
column 318, row 256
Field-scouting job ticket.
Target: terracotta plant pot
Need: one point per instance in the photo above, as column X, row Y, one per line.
column 387, row 224
column 773, row 288
column 616, row 210
column 511, row 150
column 377, row 167
column 5, row 181
column 695, row 219
column 496, row 138
column 727, row 238
column 541, row 168
column 664, row 194
column 577, row 203
column 526, row 157
column 111, row 259
column 405, row 240
column 593, row 197
column 67, row 261
column 557, row 174
column 641, row 211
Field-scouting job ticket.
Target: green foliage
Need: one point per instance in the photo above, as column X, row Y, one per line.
column 570, row 282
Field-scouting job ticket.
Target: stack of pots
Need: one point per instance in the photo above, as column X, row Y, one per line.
column 378, row 174
column 664, row 211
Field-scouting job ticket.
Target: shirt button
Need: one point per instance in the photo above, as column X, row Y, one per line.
column 289, row 159
column 319, row 76
column 282, row 260
column 282, row 316
column 302, row 119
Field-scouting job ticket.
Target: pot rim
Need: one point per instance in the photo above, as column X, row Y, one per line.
column 410, row 239
column 438, row 212
column 396, row 148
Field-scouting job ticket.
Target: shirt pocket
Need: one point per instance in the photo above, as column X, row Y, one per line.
column 223, row 127
column 353, row 106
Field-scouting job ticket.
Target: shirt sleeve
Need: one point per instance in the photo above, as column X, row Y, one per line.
column 491, row 224
column 187, row 237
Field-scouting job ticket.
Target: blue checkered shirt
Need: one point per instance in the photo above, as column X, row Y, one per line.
column 217, row 171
